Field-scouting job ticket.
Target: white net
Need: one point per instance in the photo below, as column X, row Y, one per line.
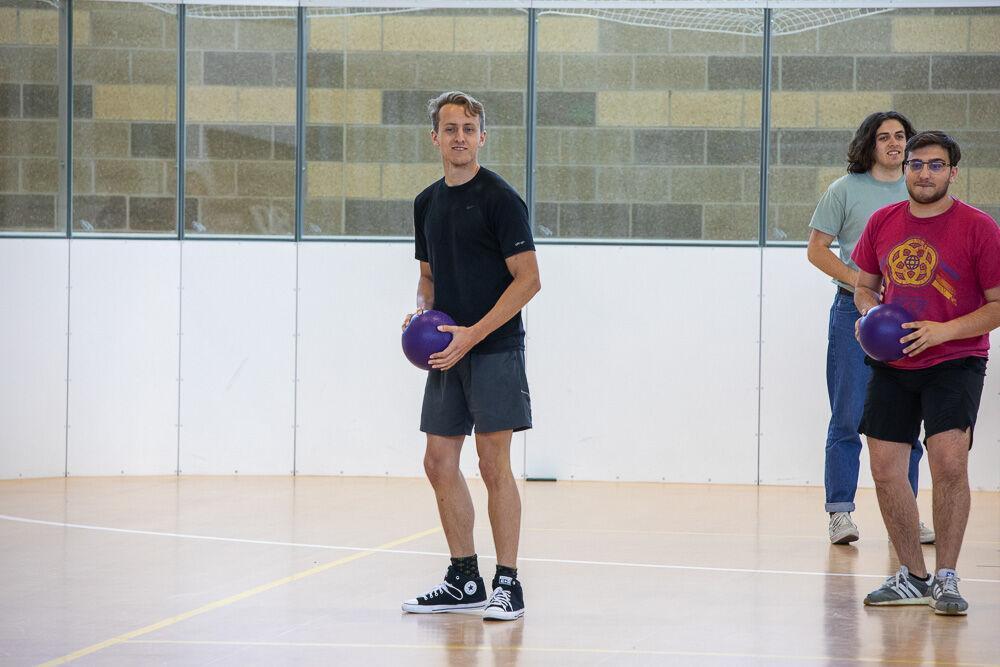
column 739, row 21
column 718, row 18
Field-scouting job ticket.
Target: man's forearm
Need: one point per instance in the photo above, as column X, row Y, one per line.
column 514, row 298
column 425, row 293
column 865, row 298
column 826, row 261
column 981, row 321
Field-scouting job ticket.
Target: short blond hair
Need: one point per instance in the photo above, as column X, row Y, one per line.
column 472, row 106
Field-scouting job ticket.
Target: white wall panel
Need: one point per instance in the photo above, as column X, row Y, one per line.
column 33, row 325
column 123, row 357
column 237, row 357
column 984, row 460
column 643, row 364
column 359, row 398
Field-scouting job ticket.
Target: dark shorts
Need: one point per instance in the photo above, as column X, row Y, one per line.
column 488, row 391
column 945, row 396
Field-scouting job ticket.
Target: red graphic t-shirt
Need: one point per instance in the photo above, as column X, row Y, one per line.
column 936, row 268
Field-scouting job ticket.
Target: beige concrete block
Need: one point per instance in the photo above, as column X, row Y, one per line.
column 325, row 105
column 493, row 34
column 405, row 181
column 364, row 33
column 325, row 179
column 847, row 110
column 363, row 107
column 825, row 176
column 633, row 108
column 83, row 177
column 134, row 102
column 706, row 109
column 266, row 105
column 927, row 33
column 567, row 34
column 39, row 26
column 362, row 180
column 418, row 33
column 81, row 28
column 984, row 34
column 984, row 186
column 327, row 33
column 787, row 109
column 212, row 103
column 129, row 176
column 338, row 33
column 8, row 25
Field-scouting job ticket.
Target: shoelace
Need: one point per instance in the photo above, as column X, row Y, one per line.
column 949, row 585
column 840, row 521
column 501, row 598
column 440, row 589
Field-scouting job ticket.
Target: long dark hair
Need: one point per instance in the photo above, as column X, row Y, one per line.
column 861, row 152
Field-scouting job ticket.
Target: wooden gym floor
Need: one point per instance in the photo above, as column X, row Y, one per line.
column 311, row 571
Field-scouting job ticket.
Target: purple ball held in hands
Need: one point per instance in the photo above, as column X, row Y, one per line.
column 880, row 330
column 421, row 337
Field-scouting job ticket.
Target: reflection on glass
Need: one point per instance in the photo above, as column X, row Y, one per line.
column 368, row 146
column 646, row 132
column 240, row 121
column 124, row 132
column 29, row 106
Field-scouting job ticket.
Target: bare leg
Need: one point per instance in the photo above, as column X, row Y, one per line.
column 890, row 465
column 504, row 499
column 454, row 503
column 948, row 455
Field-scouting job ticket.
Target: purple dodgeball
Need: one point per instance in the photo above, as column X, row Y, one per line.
column 880, row 330
column 421, row 337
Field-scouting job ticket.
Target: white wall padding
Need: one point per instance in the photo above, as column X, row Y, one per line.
column 123, row 357
column 33, row 325
column 237, row 357
column 642, row 363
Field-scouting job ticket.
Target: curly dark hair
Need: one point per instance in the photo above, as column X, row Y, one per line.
column 935, row 138
column 861, row 152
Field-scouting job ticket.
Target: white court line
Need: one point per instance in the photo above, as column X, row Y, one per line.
column 546, row 649
column 560, row 561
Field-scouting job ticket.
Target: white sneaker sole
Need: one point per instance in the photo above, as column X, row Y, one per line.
column 414, row 608
column 499, row 615
column 845, row 539
column 898, row 603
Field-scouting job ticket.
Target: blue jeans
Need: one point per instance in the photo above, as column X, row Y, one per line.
column 846, row 382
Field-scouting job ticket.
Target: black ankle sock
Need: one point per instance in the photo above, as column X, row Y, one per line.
column 467, row 566
column 504, row 571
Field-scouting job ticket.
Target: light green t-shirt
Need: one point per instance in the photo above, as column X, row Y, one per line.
column 845, row 207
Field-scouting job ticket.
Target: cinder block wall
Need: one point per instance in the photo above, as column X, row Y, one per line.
column 642, row 132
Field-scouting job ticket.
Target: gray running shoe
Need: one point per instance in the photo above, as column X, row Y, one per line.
column 927, row 535
column 842, row 529
column 901, row 588
column 945, row 598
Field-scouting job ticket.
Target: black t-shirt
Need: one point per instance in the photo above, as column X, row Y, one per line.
column 466, row 232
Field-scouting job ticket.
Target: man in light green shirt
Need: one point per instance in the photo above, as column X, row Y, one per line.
column 874, row 179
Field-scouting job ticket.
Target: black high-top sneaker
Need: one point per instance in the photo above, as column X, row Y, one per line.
column 507, row 601
column 455, row 593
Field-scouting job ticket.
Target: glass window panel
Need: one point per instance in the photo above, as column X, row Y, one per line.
column 240, row 117
column 646, row 132
column 368, row 146
column 30, row 176
column 124, row 129
column 938, row 67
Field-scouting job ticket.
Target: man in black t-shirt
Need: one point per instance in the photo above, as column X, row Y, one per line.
column 477, row 264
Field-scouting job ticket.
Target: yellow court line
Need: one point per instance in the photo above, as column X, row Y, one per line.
column 211, row 606
column 557, row 649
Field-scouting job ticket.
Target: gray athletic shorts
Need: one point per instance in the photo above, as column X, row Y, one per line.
column 488, row 391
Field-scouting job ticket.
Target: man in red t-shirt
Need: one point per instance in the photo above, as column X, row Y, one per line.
column 939, row 258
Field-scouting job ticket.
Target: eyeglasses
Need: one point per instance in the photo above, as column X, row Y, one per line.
column 936, row 166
